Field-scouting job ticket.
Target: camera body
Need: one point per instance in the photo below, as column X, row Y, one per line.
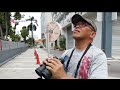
column 42, row 71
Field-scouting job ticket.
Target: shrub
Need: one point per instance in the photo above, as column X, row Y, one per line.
column 62, row 42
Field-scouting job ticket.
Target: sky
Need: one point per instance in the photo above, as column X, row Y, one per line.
column 37, row 15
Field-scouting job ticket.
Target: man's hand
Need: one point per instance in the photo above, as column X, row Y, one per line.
column 56, row 68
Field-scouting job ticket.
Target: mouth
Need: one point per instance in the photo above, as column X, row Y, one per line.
column 75, row 31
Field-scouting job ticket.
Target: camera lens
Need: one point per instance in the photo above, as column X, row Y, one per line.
column 40, row 69
column 46, row 74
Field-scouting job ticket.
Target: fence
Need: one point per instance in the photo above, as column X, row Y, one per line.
column 7, row 45
column 10, row 49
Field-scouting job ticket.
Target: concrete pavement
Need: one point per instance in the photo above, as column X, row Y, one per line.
column 114, row 69
column 23, row 66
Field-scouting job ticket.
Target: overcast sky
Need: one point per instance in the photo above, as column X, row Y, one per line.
column 37, row 15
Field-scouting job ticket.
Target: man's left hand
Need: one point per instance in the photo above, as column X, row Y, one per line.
column 56, row 68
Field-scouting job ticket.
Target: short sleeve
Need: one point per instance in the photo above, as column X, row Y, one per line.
column 98, row 68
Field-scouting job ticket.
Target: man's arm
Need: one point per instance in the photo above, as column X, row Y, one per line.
column 57, row 69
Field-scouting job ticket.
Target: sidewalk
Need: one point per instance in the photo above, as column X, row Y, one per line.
column 23, row 66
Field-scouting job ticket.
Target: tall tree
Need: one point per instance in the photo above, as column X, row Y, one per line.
column 1, row 21
column 5, row 23
column 17, row 16
column 24, row 33
column 32, row 27
column 7, row 19
column 1, row 33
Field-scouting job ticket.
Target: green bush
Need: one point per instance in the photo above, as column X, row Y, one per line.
column 62, row 42
column 30, row 41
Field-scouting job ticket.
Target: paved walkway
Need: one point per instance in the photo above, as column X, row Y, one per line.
column 23, row 66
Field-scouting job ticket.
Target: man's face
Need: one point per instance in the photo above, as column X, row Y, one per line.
column 82, row 31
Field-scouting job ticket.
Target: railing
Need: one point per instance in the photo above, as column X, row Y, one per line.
column 7, row 45
column 0, row 45
column 9, row 50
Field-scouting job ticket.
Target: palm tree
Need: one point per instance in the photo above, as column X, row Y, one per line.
column 32, row 27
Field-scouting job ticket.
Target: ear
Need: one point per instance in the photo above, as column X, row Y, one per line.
column 93, row 34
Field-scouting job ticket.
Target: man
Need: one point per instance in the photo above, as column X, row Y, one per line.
column 85, row 61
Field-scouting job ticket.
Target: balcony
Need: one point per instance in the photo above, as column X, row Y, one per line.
column 67, row 19
column 57, row 16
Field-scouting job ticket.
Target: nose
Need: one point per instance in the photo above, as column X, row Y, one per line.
column 77, row 26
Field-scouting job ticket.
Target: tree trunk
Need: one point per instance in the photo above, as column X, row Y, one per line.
column 32, row 37
column 1, row 31
column 15, row 26
column 25, row 39
column 6, row 25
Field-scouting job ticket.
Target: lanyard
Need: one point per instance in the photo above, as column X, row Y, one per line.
column 79, row 60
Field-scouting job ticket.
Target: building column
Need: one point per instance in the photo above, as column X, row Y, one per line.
column 99, row 16
column 114, row 15
column 107, row 33
column 98, row 21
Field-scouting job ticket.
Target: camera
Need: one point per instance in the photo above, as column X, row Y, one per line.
column 42, row 71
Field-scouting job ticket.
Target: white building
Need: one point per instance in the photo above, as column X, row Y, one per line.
column 64, row 19
column 46, row 17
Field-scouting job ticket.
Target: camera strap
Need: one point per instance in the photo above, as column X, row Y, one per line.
column 79, row 60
